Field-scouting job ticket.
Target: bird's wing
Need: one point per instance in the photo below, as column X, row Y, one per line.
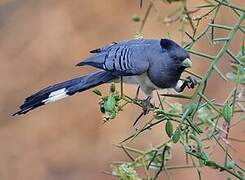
column 124, row 58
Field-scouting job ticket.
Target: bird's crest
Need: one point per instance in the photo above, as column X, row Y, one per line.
column 168, row 44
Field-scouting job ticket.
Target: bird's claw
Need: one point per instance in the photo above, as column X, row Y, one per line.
column 191, row 82
column 146, row 105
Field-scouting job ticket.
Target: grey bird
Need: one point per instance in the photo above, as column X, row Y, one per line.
column 152, row 64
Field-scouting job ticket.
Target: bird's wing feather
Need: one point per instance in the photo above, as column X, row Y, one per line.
column 125, row 59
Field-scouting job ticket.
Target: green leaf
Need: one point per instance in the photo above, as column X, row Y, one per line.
column 111, row 115
column 212, row 164
column 170, row 1
column 136, row 18
column 159, row 116
column 167, row 154
column 238, row 74
column 197, row 128
column 230, row 165
column 240, row 173
column 242, row 58
column 176, row 136
column 175, row 108
column 189, row 109
column 231, row 76
column 102, row 109
column 201, row 162
column 125, row 172
column 97, row 92
column 227, row 112
column 197, row 140
column 159, row 111
column 169, row 128
column 204, row 156
column 110, row 104
column 113, row 88
column 206, row 115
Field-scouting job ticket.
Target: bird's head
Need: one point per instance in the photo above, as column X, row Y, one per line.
column 178, row 55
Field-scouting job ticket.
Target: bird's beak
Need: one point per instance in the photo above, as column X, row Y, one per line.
column 187, row 63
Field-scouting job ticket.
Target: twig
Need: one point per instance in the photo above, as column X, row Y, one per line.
column 145, row 17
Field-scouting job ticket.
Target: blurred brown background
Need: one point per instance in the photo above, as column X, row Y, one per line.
column 40, row 42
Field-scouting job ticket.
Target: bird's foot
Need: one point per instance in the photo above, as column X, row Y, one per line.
column 191, row 82
column 146, row 105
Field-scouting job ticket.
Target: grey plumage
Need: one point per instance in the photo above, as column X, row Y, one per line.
column 153, row 64
column 160, row 60
column 123, row 58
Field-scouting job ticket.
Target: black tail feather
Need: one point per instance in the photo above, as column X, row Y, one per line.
column 61, row 90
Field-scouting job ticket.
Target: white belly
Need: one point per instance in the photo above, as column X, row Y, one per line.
column 143, row 81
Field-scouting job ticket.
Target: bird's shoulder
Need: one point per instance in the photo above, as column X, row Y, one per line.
column 133, row 43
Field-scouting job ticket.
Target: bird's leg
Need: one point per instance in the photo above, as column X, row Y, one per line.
column 146, row 105
column 121, row 82
column 137, row 93
column 191, row 82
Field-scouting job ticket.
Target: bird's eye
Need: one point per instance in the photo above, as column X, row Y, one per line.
column 175, row 58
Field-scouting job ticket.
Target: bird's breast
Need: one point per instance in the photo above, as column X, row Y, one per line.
column 143, row 81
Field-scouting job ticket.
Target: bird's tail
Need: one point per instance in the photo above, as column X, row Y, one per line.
column 64, row 89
